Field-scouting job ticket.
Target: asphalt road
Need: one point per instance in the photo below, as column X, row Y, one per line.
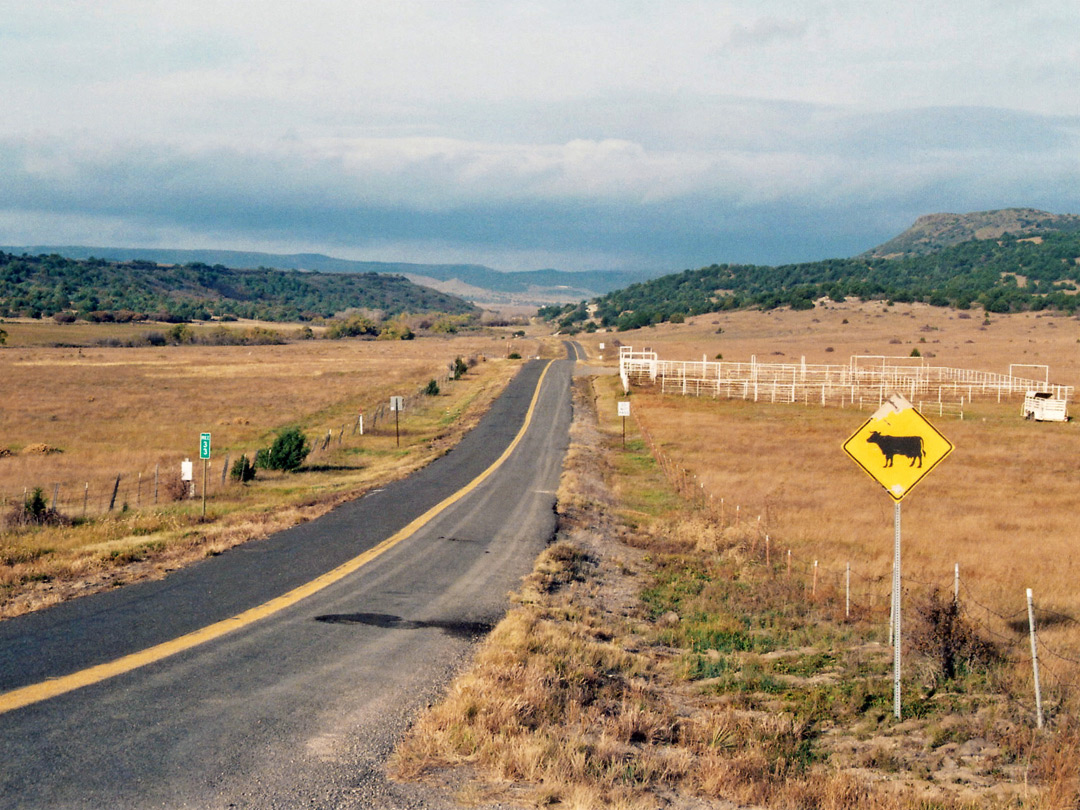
column 300, row 708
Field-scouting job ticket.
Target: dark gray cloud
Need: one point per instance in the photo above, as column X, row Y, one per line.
column 842, row 183
column 610, row 134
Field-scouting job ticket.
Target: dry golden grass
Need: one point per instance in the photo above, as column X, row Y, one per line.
column 945, row 337
column 27, row 332
column 1000, row 506
column 580, row 699
column 128, row 410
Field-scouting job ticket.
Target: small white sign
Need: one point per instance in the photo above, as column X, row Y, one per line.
column 397, row 403
column 186, row 470
column 601, row 347
column 624, row 409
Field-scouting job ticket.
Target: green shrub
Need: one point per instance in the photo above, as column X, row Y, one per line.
column 396, row 330
column 432, row 389
column 287, row 453
column 35, row 506
column 35, row 511
column 242, row 470
column 356, row 326
column 181, row 333
column 460, row 367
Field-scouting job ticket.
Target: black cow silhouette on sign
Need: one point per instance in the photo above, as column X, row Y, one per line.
column 908, row 446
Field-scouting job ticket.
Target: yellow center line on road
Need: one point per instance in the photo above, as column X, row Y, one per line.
column 34, row 693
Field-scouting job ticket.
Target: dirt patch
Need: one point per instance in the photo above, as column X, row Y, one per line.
column 39, row 449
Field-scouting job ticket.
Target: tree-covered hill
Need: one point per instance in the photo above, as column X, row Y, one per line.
column 1001, row 275
column 934, row 232
column 97, row 289
column 541, row 285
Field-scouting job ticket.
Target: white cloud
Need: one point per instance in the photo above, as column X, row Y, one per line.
column 364, row 124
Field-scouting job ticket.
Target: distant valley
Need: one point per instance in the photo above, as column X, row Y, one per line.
column 473, row 282
column 1004, row 260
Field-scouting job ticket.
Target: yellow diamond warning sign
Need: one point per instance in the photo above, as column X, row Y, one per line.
column 897, row 446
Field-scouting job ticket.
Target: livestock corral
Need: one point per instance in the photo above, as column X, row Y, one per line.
column 865, row 380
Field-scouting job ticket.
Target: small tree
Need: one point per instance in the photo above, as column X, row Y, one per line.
column 35, row 507
column 432, row 389
column 288, row 451
column 242, row 470
column 35, row 511
column 460, row 367
column 181, row 333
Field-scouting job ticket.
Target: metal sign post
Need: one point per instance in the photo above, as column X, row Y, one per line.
column 895, row 434
column 624, row 411
column 397, row 405
column 204, row 454
column 896, row 609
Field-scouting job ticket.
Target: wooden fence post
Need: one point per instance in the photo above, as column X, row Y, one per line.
column 1035, row 661
column 847, row 592
column 116, row 489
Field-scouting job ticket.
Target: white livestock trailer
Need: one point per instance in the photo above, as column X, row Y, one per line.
column 1044, row 407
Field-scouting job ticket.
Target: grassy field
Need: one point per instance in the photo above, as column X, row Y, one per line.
column 831, row 334
column 46, row 333
column 683, row 662
column 76, row 418
column 663, row 653
column 1001, row 506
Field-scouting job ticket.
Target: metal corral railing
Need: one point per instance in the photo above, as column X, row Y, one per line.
column 866, row 379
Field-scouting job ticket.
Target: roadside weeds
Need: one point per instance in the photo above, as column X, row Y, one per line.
column 44, row 565
column 654, row 660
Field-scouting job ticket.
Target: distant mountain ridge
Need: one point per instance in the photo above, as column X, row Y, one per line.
column 1002, row 261
column 935, row 232
column 473, row 282
column 99, row 289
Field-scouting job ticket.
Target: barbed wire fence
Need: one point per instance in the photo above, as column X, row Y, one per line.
column 1053, row 673
column 102, row 494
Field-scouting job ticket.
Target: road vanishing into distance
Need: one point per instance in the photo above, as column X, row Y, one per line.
column 281, row 673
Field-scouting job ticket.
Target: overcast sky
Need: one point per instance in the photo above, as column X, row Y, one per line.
column 576, row 135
